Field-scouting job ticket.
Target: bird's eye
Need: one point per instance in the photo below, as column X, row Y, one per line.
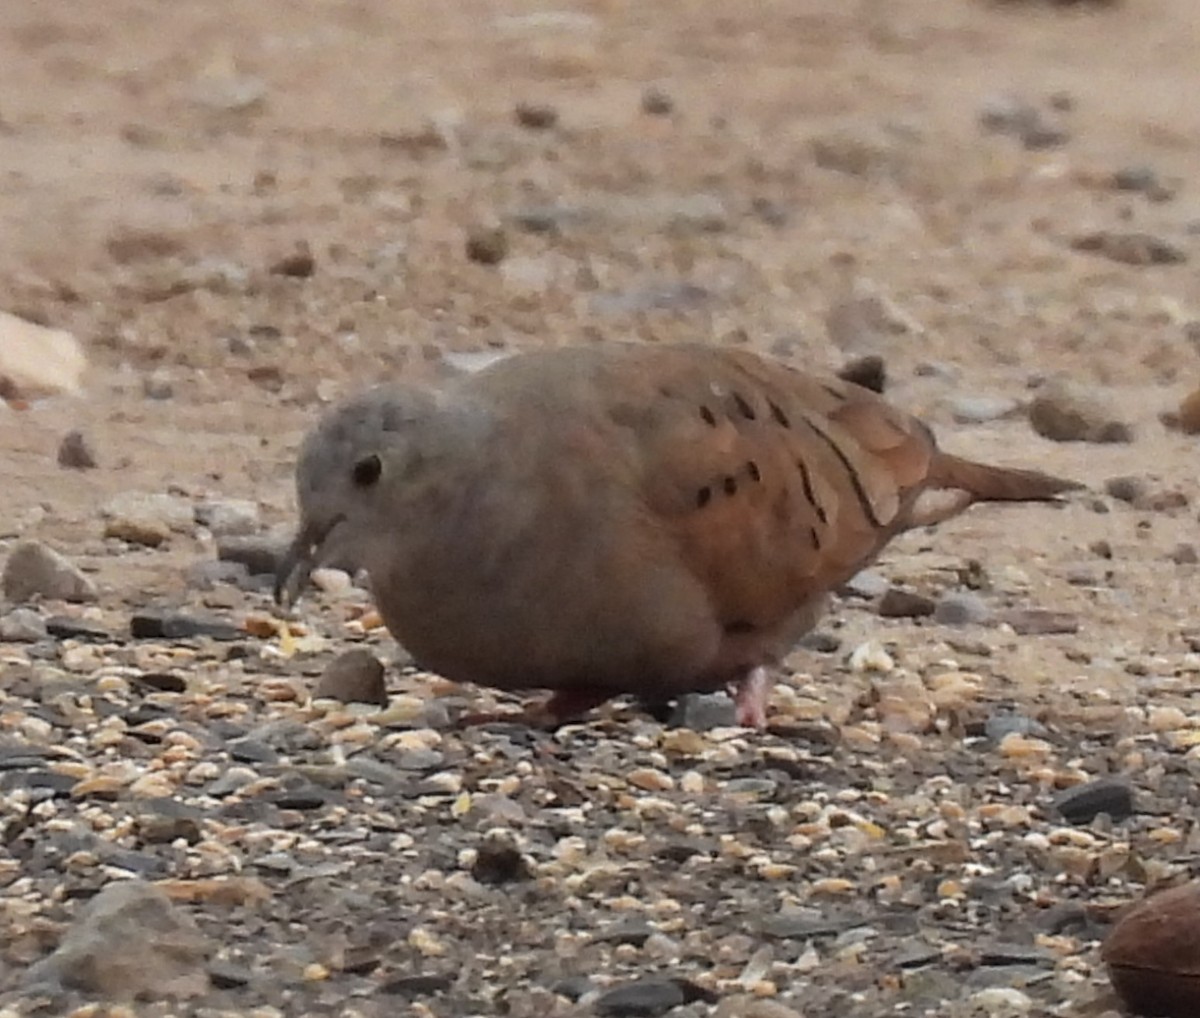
column 367, row 470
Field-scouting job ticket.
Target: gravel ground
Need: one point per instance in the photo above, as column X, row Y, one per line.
column 244, row 211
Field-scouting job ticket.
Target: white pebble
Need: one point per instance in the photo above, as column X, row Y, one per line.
column 871, row 657
column 1002, row 1000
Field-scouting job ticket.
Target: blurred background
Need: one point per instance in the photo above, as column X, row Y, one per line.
column 281, row 192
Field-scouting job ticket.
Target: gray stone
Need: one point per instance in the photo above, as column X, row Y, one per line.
column 259, row 554
column 233, row 780
column 22, row 625
column 642, row 999
column 981, row 409
column 34, row 570
column 228, row 517
column 898, row 603
column 207, row 573
column 866, row 584
column 961, row 610
column 74, row 452
column 146, row 518
column 1066, row 412
column 1126, row 488
column 703, row 711
column 1083, row 803
column 129, row 943
column 1006, row 722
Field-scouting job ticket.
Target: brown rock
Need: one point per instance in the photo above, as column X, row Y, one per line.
column 1130, row 248
column 300, row 264
column 353, row 677
column 74, row 452
column 1153, row 954
column 487, row 246
column 870, row 372
column 1188, row 417
column 536, row 116
column 898, row 603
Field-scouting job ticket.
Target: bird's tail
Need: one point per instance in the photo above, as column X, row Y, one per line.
column 979, row 482
column 986, row 483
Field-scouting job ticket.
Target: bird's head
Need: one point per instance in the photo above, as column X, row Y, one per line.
column 353, row 470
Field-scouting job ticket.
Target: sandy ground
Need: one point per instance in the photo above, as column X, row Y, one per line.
column 158, row 163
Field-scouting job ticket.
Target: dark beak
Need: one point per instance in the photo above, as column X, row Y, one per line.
column 299, row 560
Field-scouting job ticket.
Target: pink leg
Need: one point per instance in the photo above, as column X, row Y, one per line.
column 750, row 695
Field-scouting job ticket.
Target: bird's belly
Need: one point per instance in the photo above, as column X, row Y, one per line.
column 586, row 620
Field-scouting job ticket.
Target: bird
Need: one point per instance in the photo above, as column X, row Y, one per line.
column 620, row 518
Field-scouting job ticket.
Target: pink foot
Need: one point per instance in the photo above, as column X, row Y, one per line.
column 750, row 694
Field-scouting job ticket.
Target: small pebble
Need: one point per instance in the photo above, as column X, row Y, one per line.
column 702, row 712
column 535, row 116
column 1130, row 248
column 1135, row 178
column 870, row 372
column 1184, row 554
column 158, row 385
column 259, row 554
column 982, row 409
column 744, row 1006
column 22, row 625
column 646, row 998
column 1067, row 412
column 1081, row 804
column 499, row 860
column 487, row 245
column 1189, row 413
column 228, row 517
column 1002, row 1002
column 961, row 610
column 867, row 584
column 300, row 264
column 1040, row 621
column 657, row 103
column 870, row 657
column 898, row 603
column 1125, row 488
column 207, row 573
column 1007, row 722
column 75, row 453
column 180, row 626
column 355, row 676
column 335, row 582
column 1012, row 115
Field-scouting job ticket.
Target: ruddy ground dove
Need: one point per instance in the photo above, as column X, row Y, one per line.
column 648, row 519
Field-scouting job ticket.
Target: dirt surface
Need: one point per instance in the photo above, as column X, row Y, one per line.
column 245, row 210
